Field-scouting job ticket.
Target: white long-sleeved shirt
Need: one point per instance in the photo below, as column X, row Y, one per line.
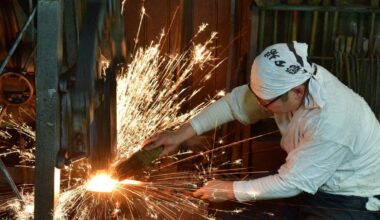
column 335, row 149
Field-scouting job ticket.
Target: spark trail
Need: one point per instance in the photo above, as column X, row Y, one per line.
column 151, row 94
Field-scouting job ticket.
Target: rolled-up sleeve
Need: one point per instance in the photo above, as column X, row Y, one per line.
column 313, row 164
column 306, row 169
column 239, row 105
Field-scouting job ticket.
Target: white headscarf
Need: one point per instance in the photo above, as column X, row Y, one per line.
column 281, row 67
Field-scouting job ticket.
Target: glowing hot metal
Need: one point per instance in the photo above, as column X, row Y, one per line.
column 101, row 183
column 130, row 182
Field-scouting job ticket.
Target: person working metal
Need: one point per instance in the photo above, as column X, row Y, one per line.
column 330, row 134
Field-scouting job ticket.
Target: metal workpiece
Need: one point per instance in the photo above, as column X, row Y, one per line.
column 48, row 66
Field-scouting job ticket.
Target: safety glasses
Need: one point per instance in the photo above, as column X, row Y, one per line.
column 260, row 101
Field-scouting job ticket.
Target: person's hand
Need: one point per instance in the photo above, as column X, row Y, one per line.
column 168, row 139
column 216, row 191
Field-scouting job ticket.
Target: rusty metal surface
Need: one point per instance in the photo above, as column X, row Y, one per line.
column 49, row 55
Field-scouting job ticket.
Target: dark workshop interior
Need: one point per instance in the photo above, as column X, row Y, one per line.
column 58, row 98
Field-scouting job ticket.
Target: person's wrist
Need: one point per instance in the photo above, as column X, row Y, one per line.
column 177, row 138
column 182, row 134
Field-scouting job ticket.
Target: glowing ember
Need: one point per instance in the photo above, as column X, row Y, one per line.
column 101, row 183
column 130, row 182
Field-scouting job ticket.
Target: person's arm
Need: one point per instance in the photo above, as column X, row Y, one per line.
column 306, row 169
column 269, row 187
column 239, row 105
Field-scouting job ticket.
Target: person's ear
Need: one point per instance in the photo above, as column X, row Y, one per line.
column 299, row 91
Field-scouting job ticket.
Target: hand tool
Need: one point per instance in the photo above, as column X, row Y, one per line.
column 325, row 41
column 336, row 55
column 341, row 52
column 134, row 166
column 364, row 66
column 347, row 60
column 359, row 55
column 353, row 32
column 313, row 32
column 375, row 77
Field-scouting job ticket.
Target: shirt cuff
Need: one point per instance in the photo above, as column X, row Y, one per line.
column 269, row 187
column 242, row 194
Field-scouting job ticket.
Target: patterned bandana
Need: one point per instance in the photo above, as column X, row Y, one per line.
column 281, row 67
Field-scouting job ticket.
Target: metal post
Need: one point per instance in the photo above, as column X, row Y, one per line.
column 49, row 56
